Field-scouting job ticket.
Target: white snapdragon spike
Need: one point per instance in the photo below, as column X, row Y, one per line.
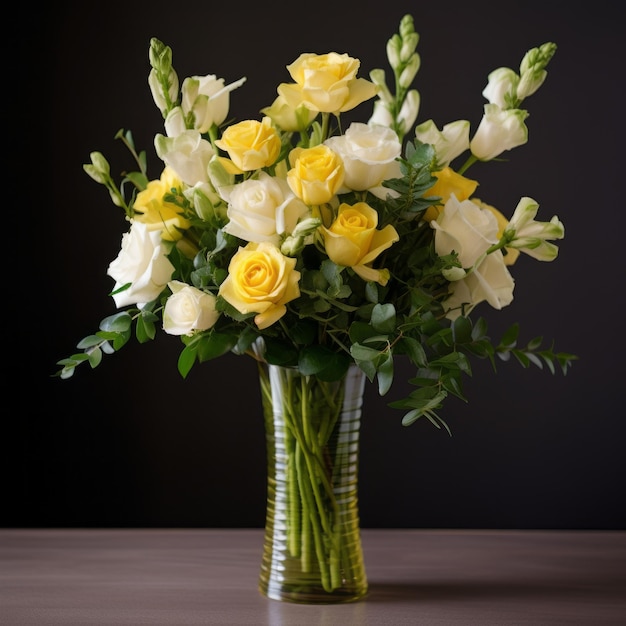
column 532, row 69
column 501, row 87
column 409, row 71
column 188, row 154
column 398, row 111
column 377, row 76
column 499, row 130
column 529, row 236
column 163, row 80
column 449, row 142
column 381, row 115
column 206, row 100
column 162, row 98
column 508, row 89
column 407, row 115
column 175, row 122
column 408, row 111
column 401, row 46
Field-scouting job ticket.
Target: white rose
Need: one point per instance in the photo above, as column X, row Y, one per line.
column 262, row 209
column 465, row 228
column 143, row 263
column 187, row 154
column 490, row 281
column 188, row 309
column 369, row 153
column 468, row 230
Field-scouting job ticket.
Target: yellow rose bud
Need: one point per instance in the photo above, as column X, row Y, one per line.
column 316, row 175
column 448, row 182
column 353, row 240
column 262, row 280
column 288, row 118
column 251, row 144
column 326, row 83
column 511, row 253
column 157, row 214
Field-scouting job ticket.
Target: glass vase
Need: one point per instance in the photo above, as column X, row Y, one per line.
column 312, row 545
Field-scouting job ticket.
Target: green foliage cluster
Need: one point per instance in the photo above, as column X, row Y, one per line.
column 339, row 318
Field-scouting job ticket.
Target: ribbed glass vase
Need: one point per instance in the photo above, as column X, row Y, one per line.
column 312, row 548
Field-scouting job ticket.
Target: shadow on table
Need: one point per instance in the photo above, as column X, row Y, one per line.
column 451, row 591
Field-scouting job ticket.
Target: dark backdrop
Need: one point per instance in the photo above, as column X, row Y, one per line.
column 132, row 444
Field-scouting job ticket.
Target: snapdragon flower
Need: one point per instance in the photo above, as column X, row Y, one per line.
column 529, row 236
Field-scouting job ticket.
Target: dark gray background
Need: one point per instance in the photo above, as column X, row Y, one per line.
column 132, row 444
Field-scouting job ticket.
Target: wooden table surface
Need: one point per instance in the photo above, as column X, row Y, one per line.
column 209, row 576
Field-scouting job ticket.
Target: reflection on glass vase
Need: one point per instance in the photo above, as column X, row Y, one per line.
column 312, row 548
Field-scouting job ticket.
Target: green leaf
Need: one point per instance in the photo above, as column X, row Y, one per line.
column 320, row 361
column 89, row 341
column 521, row 357
column 186, row 360
column 414, row 350
column 385, row 374
column 118, row 323
column 462, row 330
column 479, row 330
column 384, row 318
column 360, row 332
column 212, row 345
column 509, row 339
column 95, row 357
column 145, row 329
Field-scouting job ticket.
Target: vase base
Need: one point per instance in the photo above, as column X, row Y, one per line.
column 312, row 596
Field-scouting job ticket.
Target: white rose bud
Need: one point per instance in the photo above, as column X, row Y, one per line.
column 188, row 309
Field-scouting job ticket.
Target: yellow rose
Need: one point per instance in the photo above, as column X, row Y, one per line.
column 448, row 182
column 511, row 253
column 251, row 144
column 326, row 83
column 353, row 240
column 262, row 280
column 316, row 175
column 157, row 214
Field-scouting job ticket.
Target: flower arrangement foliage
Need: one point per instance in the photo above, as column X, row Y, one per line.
column 323, row 245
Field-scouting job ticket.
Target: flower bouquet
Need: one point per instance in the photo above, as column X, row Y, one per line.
column 325, row 253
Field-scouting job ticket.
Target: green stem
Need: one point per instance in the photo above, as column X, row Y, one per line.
column 471, row 159
column 310, row 409
column 294, row 502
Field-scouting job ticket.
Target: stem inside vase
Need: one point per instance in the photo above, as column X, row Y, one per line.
column 312, row 548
